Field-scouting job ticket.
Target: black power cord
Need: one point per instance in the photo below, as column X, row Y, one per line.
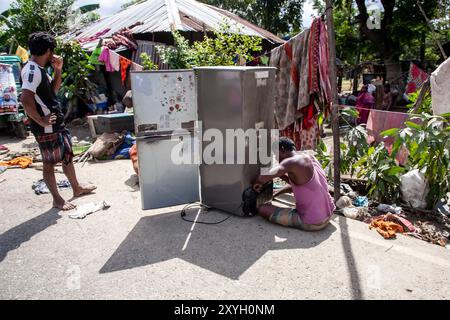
column 206, row 208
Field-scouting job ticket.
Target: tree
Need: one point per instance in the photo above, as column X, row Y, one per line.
column 393, row 31
column 54, row 16
column 281, row 17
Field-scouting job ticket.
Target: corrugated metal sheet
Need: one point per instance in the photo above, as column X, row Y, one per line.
column 165, row 15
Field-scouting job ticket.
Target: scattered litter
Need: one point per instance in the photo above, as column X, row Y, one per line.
column 3, row 180
column 388, row 225
column 355, row 213
column 278, row 239
column 387, row 229
column 414, row 189
column 429, row 232
column 40, row 187
column 23, row 162
column 344, row 202
column 3, row 169
column 88, row 208
column 361, row 202
column 347, row 190
column 389, row 208
column 442, row 207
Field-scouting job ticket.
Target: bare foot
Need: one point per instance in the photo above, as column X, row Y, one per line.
column 64, row 205
column 82, row 190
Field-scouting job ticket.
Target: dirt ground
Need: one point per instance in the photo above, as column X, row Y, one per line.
column 126, row 253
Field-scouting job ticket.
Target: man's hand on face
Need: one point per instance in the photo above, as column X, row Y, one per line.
column 57, row 63
column 49, row 120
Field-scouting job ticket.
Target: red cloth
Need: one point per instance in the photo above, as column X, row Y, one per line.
column 415, row 79
column 313, row 56
column 124, row 65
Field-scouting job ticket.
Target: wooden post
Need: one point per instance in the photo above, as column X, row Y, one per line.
column 334, row 104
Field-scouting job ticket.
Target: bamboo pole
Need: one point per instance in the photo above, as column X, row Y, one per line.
column 334, row 104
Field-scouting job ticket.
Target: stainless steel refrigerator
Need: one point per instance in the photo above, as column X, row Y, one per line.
column 232, row 98
column 164, row 102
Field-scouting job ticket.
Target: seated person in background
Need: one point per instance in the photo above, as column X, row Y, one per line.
column 364, row 103
column 307, row 180
column 389, row 98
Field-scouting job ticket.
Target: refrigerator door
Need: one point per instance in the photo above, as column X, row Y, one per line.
column 163, row 100
column 163, row 182
column 244, row 97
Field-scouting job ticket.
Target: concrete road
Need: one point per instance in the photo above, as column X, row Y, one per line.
column 127, row 253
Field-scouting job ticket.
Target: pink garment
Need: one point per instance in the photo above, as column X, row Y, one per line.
column 379, row 121
column 313, row 202
column 114, row 60
column 105, row 57
column 364, row 103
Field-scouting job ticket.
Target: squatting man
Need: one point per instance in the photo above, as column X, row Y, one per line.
column 307, row 180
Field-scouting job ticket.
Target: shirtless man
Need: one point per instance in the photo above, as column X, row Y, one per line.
column 307, row 180
column 46, row 117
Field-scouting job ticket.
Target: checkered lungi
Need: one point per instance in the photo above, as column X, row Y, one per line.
column 55, row 147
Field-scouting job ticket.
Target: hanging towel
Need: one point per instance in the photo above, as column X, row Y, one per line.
column 440, row 88
column 104, row 57
column 124, row 65
column 114, row 59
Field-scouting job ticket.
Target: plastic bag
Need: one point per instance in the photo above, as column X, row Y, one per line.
column 414, row 188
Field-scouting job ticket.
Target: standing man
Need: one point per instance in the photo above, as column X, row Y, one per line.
column 46, row 117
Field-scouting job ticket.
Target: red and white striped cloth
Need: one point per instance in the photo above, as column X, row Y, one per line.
column 416, row 78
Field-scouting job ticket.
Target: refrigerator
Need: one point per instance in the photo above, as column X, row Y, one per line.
column 233, row 98
column 165, row 102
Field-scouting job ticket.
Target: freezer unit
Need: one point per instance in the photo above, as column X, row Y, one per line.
column 232, row 98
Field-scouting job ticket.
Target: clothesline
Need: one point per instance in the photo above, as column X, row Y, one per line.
column 341, row 107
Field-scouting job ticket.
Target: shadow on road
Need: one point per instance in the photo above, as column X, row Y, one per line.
column 13, row 238
column 355, row 281
column 228, row 249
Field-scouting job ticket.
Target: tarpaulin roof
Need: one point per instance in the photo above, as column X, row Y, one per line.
column 167, row 15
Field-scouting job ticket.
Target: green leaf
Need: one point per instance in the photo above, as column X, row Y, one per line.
column 390, row 132
column 393, row 171
column 413, row 125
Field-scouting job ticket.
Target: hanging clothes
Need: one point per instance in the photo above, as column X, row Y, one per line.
column 136, row 67
column 124, row 65
column 105, row 58
column 416, row 78
column 303, row 85
column 93, row 59
column 291, row 89
column 440, row 88
column 114, row 59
